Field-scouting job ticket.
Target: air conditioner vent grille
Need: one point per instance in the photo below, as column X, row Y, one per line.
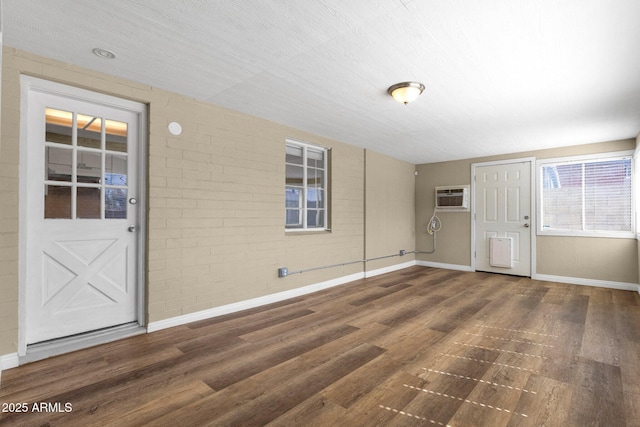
column 453, row 198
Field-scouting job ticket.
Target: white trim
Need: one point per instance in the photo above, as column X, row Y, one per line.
column 581, row 159
column 458, row 267
column 588, row 158
column 29, row 84
column 251, row 303
column 588, row 282
column 272, row 298
column 389, row 269
column 325, row 187
column 533, row 206
column 9, row 361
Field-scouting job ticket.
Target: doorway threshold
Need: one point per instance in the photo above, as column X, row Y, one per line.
column 46, row 349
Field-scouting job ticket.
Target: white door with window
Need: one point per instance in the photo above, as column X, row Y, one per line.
column 80, row 214
column 502, row 218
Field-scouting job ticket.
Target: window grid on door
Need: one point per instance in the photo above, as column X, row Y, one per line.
column 85, row 166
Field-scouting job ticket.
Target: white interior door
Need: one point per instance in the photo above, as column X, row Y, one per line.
column 503, row 218
column 81, row 216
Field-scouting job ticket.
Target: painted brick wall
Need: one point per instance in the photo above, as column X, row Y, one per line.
column 390, row 207
column 215, row 198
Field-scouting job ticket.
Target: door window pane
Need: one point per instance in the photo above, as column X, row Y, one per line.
column 88, row 203
column 58, row 126
column 115, row 203
column 57, row 202
column 58, row 163
column 89, row 131
column 89, row 167
column 115, row 170
column 116, row 136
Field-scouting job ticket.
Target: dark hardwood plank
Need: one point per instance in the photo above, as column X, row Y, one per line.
column 597, row 395
column 549, row 406
column 350, row 388
column 286, row 396
column 420, row 346
column 246, row 365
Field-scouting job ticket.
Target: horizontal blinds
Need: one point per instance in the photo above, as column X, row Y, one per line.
column 587, row 196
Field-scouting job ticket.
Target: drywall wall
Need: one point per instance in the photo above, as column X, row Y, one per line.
column 216, row 231
column 453, row 240
column 604, row 259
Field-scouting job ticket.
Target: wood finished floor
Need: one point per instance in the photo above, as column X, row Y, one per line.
column 421, row 346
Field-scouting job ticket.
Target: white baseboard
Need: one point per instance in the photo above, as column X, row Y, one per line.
column 445, row 266
column 251, row 303
column 588, row 282
column 8, row 361
column 389, row 269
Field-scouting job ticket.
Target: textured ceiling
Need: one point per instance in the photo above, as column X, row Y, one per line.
column 501, row 76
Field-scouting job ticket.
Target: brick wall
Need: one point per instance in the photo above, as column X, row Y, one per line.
column 215, row 200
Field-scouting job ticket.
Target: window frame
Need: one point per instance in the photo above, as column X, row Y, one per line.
column 636, row 189
column 305, row 146
column 582, row 159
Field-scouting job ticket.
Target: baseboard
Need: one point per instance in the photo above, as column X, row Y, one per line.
column 588, row 282
column 269, row 299
column 458, row 267
column 389, row 269
column 9, row 361
column 251, row 303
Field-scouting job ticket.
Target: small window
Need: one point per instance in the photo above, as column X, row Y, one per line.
column 587, row 196
column 306, row 205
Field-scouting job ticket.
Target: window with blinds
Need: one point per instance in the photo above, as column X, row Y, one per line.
column 590, row 196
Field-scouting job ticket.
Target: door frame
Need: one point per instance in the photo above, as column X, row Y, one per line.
column 29, row 84
column 533, row 223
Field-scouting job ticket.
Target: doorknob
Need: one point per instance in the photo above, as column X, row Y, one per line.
column 526, row 225
column 131, row 228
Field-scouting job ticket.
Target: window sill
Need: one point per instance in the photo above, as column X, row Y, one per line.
column 303, row 232
column 605, row 235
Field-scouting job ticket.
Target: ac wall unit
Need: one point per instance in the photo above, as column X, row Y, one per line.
column 452, row 198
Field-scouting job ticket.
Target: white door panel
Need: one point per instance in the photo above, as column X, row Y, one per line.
column 503, row 209
column 81, row 255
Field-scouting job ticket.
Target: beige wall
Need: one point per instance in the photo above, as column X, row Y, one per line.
column 582, row 257
column 216, row 201
column 453, row 240
column 390, row 209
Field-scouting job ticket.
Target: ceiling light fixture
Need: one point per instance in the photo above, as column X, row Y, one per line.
column 406, row 92
column 103, row 53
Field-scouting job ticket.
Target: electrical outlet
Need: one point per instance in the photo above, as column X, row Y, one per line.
column 283, row 272
column 403, row 252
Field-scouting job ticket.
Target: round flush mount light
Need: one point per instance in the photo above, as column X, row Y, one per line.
column 175, row 128
column 405, row 92
column 103, row 53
